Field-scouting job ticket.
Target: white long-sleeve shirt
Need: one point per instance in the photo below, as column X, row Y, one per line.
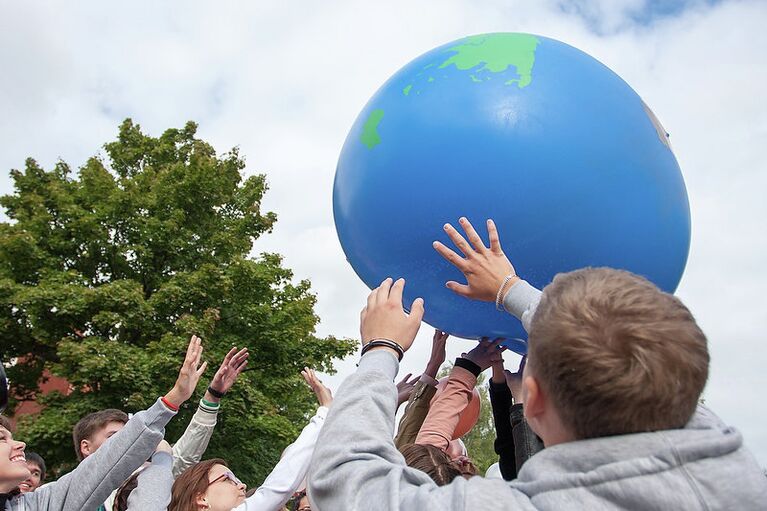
column 290, row 472
column 279, row 486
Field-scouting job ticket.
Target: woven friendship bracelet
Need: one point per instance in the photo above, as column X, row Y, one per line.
column 499, row 296
column 384, row 342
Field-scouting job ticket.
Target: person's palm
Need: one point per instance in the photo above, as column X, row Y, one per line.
column 486, row 353
column 234, row 363
column 324, row 396
column 405, row 388
column 189, row 374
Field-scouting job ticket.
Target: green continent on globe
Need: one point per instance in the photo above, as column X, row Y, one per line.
column 370, row 136
column 495, row 53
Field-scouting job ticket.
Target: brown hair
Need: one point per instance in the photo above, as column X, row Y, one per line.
column 124, row 491
column 6, row 423
column 616, row 354
column 91, row 423
column 435, row 463
column 190, row 484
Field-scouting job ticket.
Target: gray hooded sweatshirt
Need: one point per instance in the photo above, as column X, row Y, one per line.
column 87, row 486
column 356, row 465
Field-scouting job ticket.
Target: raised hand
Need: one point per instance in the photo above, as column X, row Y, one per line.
column 324, row 396
column 485, row 268
column 405, row 388
column 499, row 373
column 234, row 363
column 189, row 375
column 486, row 353
column 514, row 381
column 438, row 355
column 384, row 317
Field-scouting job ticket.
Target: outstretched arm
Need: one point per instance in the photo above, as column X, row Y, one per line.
column 89, row 485
column 188, row 450
column 356, row 465
column 154, row 483
column 290, row 472
column 490, row 276
column 439, row 427
column 424, row 390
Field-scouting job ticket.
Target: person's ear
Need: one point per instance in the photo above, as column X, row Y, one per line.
column 202, row 501
column 535, row 401
column 85, row 448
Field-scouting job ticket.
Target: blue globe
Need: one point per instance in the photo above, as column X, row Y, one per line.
column 567, row 159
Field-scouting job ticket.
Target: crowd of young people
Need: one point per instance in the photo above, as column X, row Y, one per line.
column 603, row 413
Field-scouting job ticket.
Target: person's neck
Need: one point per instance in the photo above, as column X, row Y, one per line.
column 557, row 437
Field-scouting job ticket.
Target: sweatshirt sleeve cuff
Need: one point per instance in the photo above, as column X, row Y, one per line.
column 520, row 298
column 158, row 413
column 381, row 361
column 322, row 412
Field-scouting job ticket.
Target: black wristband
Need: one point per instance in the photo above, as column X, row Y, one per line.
column 216, row 393
column 468, row 365
column 388, row 343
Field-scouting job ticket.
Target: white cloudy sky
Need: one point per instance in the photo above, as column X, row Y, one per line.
column 285, row 80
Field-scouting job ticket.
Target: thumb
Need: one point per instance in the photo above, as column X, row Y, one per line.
column 459, row 289
column 417, row 310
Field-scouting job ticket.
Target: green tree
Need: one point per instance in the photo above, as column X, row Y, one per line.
column 105, row 274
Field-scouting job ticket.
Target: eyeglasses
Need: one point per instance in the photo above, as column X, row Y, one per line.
column 227, row 475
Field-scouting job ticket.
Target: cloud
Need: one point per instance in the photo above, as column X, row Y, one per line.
column 284, row 81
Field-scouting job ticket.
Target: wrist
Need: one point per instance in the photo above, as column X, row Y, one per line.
column 171, row 401
column 384, row 348
column 213, row 398
column 469, row 365
column 432, row 370
column 503, row 288
column 383, row 342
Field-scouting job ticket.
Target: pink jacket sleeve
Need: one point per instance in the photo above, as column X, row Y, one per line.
column 440, row 423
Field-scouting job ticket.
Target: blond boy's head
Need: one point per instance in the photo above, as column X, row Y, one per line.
column 615, row 355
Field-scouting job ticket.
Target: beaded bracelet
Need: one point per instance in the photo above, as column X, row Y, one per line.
column 384, row 342
column 499, row 296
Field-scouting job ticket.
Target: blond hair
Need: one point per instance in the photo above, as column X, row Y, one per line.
column 616, row 354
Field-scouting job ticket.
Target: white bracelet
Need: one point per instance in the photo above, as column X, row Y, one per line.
column 498, row 297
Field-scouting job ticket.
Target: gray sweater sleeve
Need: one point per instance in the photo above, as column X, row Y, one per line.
column 154, row 484
column 521, row 301
column 89, row 485
column 356, row 465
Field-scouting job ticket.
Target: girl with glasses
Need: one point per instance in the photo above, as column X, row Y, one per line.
column 211, row 486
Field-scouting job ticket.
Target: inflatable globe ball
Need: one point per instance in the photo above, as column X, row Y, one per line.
column 567, row 159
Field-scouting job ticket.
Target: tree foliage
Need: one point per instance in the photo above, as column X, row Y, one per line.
column 105, row 274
